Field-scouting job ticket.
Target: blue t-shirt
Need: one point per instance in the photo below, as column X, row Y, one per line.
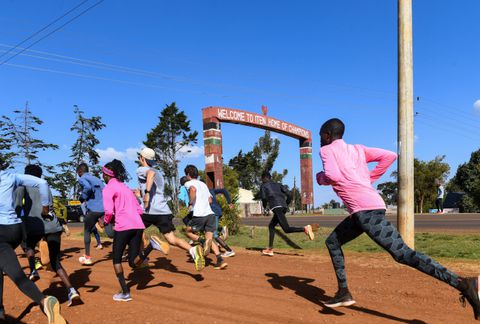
column 91, row 192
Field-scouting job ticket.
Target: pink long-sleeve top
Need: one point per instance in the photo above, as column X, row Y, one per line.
column 346, row 170
column 120, row 204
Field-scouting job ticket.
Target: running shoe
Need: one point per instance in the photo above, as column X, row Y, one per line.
column 34, row 276
column 159, row 245
column 309, row 232
column 341, row 298
column 123, row 297
column 73, row 296
column 207, row 246
column 198, row 258
column 99, row 247
column 85, row 260
column 228, row 254
column 44, row 253
column 51, row 307
column 38, row 264
column 471, row 293
column 220, row 265
column 268, row 252
column 66, row 230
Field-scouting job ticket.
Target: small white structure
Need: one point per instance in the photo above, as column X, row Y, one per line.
column 248, row 205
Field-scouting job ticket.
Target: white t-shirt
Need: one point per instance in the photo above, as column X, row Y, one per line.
column 201, row 208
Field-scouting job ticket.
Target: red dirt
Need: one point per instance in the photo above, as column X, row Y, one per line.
column 287, row 288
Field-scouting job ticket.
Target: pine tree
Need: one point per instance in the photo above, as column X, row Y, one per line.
column 6, row 141
column 64, row 178
column 171, row 134
column 20, row 133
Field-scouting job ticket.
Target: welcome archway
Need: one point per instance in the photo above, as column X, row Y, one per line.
column 212, row 137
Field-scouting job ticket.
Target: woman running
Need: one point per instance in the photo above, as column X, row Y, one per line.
column 11, row 235
column 122, row 208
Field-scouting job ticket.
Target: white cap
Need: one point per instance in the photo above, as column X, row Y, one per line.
column 148, row 153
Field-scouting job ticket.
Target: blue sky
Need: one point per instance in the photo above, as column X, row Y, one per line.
column 307, row 61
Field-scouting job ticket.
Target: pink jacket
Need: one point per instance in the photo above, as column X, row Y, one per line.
column 346, row 170
column 121, row 204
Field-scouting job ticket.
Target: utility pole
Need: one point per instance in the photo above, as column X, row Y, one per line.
column 26, row 133
column 405, row 211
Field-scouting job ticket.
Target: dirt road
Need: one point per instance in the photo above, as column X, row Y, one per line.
column 287, row 288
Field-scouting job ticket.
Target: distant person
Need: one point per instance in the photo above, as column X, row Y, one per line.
column 12, row 233
column 346, row 170
column 39, row 227
column 122, row 209
column 91, row 193
column 277, row 197
column 183, row 194
column 203, row 217
column 157, row 212
column 440, row 196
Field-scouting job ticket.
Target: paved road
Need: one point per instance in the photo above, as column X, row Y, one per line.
column 423, row 222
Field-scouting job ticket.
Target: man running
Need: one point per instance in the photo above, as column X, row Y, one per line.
column 38, row 227
column 277, row 197
column 157, row 212
column 91, row 194
column 346, row 170
column 203, row 218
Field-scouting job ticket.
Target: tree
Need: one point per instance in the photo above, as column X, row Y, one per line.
column 389, row 191
column 20, row 134
column 83, row 150
column 171, row 134
column 251, row 165
column 426, row 174
column 296, row 197
column 64, row 178
column 467, row 179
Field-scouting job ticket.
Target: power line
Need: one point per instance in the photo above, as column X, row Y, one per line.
column 53, row 31
column 42, row 29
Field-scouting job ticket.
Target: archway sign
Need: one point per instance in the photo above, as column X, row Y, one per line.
column 212, row 137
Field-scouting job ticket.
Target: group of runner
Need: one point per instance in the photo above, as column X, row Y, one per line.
column 124, row 214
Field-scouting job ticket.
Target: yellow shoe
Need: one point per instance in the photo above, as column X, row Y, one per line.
column 159, row 245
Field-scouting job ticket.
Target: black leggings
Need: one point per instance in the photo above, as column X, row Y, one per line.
column 374, row 224
column 439, row 203
column 10, row 238
column 121, row 239
column 53, row 241
column 88, row 225
column 279, row 218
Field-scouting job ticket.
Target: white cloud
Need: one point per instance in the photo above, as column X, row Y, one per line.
column 110, row 153
column 476, row 106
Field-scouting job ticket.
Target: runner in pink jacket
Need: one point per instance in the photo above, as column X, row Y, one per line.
column 346, row 170
column 121, row 206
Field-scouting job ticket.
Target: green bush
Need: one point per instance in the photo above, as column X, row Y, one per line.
column 230, row 217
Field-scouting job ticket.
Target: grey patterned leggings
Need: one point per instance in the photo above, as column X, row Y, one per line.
column 374, row 224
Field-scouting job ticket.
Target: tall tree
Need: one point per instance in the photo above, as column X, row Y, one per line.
column 426, row 173
column 467, row 179
column 83, row 150
column 171, row 134
column 63, row 179
column 21, row 134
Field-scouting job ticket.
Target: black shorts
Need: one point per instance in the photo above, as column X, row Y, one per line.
column 163, row 222
column 206, row 223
